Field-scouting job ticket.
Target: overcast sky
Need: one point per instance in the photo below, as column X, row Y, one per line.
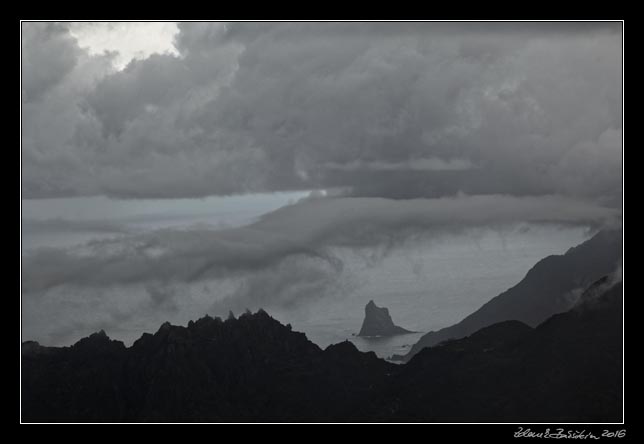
column 371, row 109
column 400, row 130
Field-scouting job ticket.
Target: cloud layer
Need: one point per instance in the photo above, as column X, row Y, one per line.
column 306, row 229
column 374, row 109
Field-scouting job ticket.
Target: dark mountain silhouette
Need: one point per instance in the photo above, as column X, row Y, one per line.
column 567, row 369
column 253, row 368
column 378, row 322
column 245, row 369
column 548, row 288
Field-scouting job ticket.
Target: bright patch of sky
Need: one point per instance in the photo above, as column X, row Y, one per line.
column 131, row 40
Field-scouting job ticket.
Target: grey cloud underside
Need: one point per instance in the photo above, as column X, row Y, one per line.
column 308, row 229
column 293, row 281
column 398, row 110
column 47, row 45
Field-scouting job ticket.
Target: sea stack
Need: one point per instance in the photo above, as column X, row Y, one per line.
column 377, row 322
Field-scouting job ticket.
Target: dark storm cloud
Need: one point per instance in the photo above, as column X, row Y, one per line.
column 49, row 54
column 306, row 230
column 376, row 109
column 57, row 147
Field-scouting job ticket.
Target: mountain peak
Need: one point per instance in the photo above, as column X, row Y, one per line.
column 99, row 336
column 98, row 341
column 165, row 326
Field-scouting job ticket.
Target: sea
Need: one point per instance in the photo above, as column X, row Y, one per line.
column 426, row 286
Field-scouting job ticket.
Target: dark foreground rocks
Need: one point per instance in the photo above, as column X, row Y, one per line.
column 567, row 369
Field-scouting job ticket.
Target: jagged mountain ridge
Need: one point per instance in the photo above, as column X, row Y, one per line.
column 211, row 370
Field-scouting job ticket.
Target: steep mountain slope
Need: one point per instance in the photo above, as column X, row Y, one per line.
column 548, row 288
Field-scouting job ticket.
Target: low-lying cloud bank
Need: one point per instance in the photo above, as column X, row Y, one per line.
column 58, row 225
column 305, row 229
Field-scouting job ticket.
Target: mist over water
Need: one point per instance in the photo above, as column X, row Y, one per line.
column 426, row 284
column 431, row 286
